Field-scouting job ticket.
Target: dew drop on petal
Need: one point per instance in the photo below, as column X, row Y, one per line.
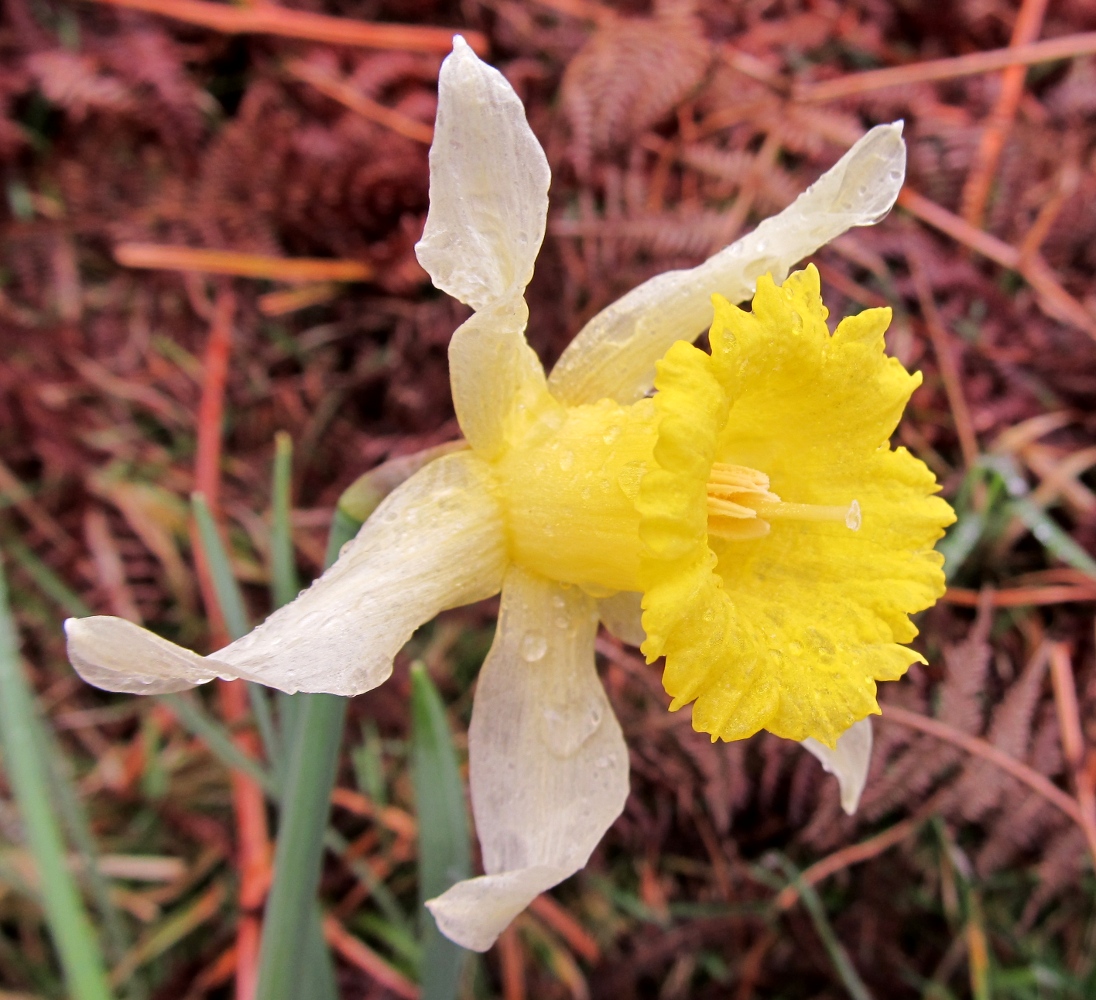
column 533, row 647
column 567, row 725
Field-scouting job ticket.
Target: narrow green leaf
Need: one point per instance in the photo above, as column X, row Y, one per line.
column 229, row 596
column 70, row 928
column 74, row 817
column 283, row 570
column 1048, row 533
column 230, row 599
column 343, row 528
column 319, row 969
column 312, row 758
column 853, row 984
column 310, row 776
column 46, row 580
column 444, row 850
column 215, row 736
column 282, row 564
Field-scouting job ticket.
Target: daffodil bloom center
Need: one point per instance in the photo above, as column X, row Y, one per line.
column 741, row 505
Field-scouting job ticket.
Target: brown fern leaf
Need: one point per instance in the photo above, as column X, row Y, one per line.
column 78, row 84
column 981, row 786
column 926, row 760
column 627, row 77
column 1025, row 818
column 662, row 235
column 722, row 771
column 149, row 60
column 380, row 71
column 1065, row 857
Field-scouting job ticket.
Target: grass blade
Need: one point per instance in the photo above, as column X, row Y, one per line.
column 283, row 574
column 229, row 596
column 67, row 800
column 46, row 580
column 70, row 928
column 311, row 763
column 444, row 850
column 854, row 985
column 283, row 568
column 291, row 907
column 215, row 736
column 74, row 817
column 231, row 601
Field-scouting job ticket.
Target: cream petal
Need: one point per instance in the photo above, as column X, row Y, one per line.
column 488, row 186
column 614, row 354
column 622, row 615
column 117, row 655
column 848, row 761
column 491, row 369
column 476, row 911
column 436, row 542
column 548, row 764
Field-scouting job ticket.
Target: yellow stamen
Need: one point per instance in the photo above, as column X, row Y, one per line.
column 740, row 505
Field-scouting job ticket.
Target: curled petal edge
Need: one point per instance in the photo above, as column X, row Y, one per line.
column 849, row 761
column 436, row 542
column 548, row 764
column 614, row 354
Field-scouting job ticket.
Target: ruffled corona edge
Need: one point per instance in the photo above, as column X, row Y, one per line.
column 789, row 632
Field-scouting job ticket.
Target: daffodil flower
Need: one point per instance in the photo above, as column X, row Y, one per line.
column 753, row 501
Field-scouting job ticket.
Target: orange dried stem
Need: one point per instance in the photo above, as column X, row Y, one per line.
column 157, row 256
column 1054, row 300
column 511, row 964
column 269, row 19
column 1026, row 30
column 566, row 926
column 1073, row 739
column 248, row 802
column 1018, row 597
column 853, row 854
column 352, row 98
column 1071, row 46
column 1037, row 782
column 942, row 344
column 362, row 957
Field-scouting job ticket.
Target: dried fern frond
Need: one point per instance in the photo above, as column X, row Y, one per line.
column 79, row 84
column 626, row 78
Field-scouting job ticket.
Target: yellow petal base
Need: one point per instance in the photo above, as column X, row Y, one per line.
column 568, row 485
column 787, row 627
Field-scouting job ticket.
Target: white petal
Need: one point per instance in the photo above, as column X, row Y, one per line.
column 614, row 355
column 848, row 761
column 491, row 370
column 117, row 655
column 488, row 186
column 622, row 615
column 548, row 765
column 436, row 542
column 476, row 911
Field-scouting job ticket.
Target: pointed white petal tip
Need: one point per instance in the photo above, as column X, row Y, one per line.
column 117, row 655
column 436, row 542
column 473, row 913
column 548, row 767
column 849, row 761
column 488, row 186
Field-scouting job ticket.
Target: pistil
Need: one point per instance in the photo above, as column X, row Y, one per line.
column 741, row 505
